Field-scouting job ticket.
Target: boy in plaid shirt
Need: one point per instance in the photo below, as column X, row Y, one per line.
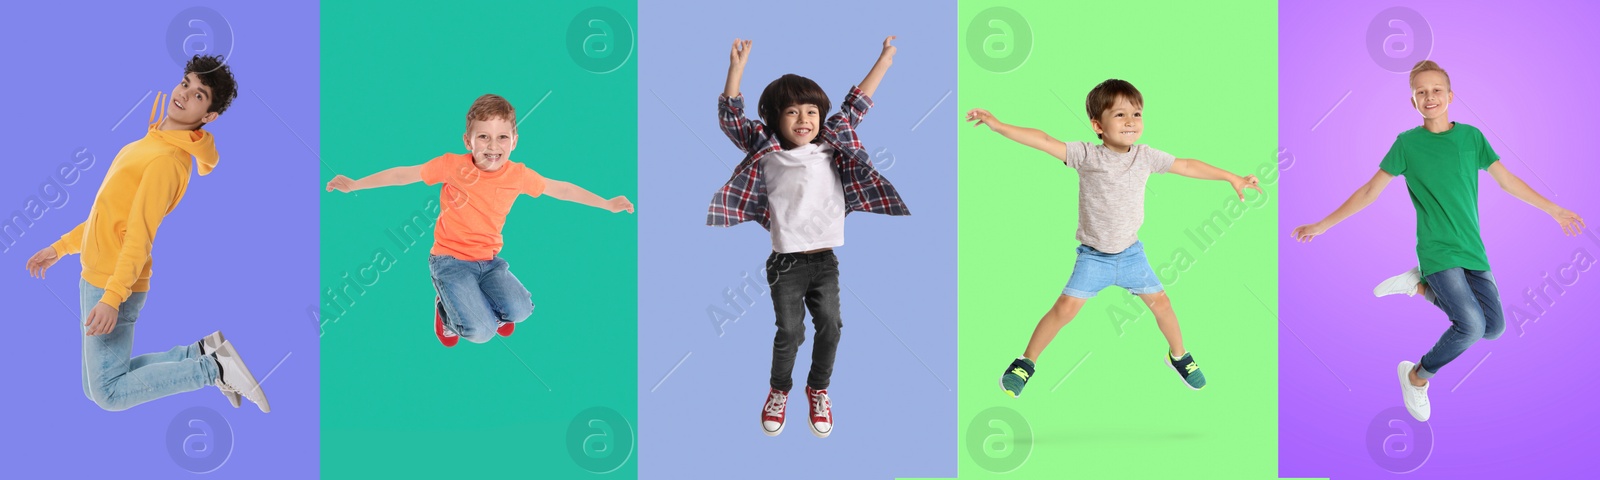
column 799, row 178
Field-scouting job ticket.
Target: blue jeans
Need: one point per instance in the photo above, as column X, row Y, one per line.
column 1094, row 271
column 1471, row 300
column 478, row 295
column 116, row 382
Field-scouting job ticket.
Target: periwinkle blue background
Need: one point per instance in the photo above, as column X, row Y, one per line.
column 239, row 254
column 895, row 409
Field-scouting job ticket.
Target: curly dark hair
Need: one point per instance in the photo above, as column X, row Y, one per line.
column 214, row 73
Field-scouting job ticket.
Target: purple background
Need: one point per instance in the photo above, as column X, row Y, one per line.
column 238, row 254
column 895, row 371
column 1521, row 73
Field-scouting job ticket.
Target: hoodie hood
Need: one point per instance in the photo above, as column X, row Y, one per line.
column 197, row 143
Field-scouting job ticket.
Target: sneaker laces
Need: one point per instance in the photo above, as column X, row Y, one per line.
column 820, row 406
column 1419, row 395
column 775, row 404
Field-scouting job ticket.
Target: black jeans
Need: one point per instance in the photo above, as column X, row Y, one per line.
column 801, row 281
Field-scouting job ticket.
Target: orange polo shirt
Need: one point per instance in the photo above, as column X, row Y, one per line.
column 473, row 204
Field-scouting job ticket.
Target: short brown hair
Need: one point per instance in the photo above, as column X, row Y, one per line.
column 1104, row 95
column 1428, row 66
column 490, row 107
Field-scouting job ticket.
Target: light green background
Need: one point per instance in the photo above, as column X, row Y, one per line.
column 396, row 85
column 1209, row 79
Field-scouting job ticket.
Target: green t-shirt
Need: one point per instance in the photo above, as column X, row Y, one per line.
column 1441, row 171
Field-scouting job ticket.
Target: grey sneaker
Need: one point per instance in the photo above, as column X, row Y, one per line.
column 237, row 378
column 1403, row 283
column 208, row 346
column 1416, row 397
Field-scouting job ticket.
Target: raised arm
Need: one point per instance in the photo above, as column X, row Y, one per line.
column 572, row 193
column 869, row 85
column 736, row 60
column 1360, row 199
column 387, row 178
column 1027, row 136
column 1192, row 168
column 745, row 133
column 1571, row 223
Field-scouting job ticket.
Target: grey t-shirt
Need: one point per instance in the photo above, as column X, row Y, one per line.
column 1111, row 192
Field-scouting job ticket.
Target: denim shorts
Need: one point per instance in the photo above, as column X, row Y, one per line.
column 1094, row 271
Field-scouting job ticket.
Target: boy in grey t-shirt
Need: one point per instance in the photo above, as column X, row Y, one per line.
column 1111, row 181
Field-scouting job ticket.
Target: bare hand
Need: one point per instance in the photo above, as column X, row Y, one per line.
column 341, row 183
column 1305, row 233
column 101, row 320
column 982, row 117
column 619, row 203
column 740, row 53
column 1571, row 223
column 888, row 50
column 1249, row 181
column 41, row 261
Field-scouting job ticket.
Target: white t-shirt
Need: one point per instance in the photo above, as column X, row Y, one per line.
column 805, row 199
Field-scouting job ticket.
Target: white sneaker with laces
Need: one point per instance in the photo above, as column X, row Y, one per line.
column 235, row 377
column 1403, row 283
column 1416, row 398
column 208, row 346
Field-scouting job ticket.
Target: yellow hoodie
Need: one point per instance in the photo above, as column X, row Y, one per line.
column 143, row 185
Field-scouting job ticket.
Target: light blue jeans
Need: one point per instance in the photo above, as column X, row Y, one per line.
column 478, row 295
column 117, row 382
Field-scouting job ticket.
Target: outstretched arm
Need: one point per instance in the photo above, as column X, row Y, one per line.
column 1027, row 136
column 1192, row 168
column 386, row 178
column 1360, row 199
column 1571, row 223
column 870, row 84
column 736, row 60
column 572, row 193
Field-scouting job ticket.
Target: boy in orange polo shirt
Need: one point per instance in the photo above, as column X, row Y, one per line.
column 478, row 295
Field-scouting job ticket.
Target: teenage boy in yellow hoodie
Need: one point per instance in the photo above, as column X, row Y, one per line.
column 145, row 182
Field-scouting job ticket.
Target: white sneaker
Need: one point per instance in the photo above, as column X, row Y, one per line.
column 208, row 346
column 1416, row 397
column 1403, row 283
column 235, row 377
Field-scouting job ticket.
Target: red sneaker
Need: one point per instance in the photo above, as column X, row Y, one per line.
column 446, row 336
column 821, row 412
column 772, row 413
column 505, row 329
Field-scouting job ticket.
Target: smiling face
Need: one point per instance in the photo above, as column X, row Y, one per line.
column 491, row 142
column 1431, row 95
column 798, row 124
column 190, row 101
column 1120, row 125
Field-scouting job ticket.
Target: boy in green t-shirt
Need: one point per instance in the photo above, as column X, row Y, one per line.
column 1440, row 161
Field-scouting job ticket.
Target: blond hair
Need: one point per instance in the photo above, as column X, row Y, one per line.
column 490, row 107
column 1428, row 66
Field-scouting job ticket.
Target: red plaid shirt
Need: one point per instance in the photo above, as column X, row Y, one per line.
column 744, row 197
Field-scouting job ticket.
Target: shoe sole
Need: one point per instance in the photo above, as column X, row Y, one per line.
column 1168, row 361
column 228, row 350
column 817, row 433
column 1405, row 379
column 233, row 397
column 772, row 434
